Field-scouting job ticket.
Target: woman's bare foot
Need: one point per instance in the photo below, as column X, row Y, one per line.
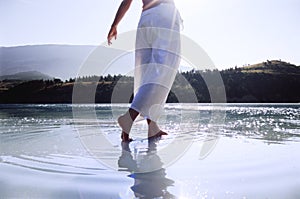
column 125, row 122
column 154, row 131
column 157, row 136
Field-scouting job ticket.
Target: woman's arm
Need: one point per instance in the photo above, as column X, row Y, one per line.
column 120, row 14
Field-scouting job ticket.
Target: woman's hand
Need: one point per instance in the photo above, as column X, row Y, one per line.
column 112, row 34
column 124, row 6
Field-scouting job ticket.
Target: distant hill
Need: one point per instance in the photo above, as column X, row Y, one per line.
column 272, row 67
column 26, row 76
column 61, row 61
column 271, row 81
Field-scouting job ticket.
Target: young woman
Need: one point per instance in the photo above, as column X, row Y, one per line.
column 156, row 61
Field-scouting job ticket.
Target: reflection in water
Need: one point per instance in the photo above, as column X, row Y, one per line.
column 153, row 182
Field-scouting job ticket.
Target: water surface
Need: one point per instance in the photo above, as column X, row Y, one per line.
column 253, row 152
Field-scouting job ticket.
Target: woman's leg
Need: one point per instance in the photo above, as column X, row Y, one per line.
column 125, row 121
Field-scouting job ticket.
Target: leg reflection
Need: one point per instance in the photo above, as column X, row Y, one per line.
column 146, row 169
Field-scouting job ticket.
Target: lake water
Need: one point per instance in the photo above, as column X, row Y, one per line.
column 212, row 151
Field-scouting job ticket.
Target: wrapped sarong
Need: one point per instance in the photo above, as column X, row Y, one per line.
column 157, row 58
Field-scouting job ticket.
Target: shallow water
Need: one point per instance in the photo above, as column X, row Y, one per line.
column 212, row 151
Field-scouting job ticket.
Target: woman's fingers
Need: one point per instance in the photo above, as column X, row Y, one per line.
column 112, row 34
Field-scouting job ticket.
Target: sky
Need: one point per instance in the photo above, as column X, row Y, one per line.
column 232, row 32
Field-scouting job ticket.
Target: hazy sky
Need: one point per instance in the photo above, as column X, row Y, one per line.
column 232, row 32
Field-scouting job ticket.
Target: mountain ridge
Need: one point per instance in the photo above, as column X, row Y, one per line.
column 26, row 76
column 64, row 60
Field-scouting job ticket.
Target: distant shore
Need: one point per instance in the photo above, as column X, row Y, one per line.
column 267, row 82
